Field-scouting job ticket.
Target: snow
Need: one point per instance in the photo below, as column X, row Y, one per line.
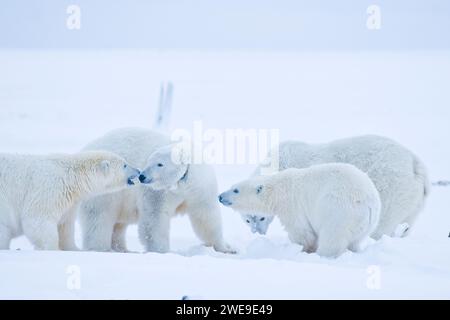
column 57, row 101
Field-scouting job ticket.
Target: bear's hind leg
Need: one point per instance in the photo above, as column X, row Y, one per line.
column 357, row 245
column 331, row 245
column 334, row 236
column 305, row 237
column 207, row 225
column 403, row 205
column 98, row 217
column 5, row 237
column 119, row 243
column 6, row 230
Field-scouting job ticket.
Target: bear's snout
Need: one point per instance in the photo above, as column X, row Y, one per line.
column 144, row 179
column 132, row 174
column 223, row 200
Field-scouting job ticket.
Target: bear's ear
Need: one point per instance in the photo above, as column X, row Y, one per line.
column 104, row 166
column 259, row 189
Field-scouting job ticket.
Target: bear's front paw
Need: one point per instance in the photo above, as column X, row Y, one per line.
column 225, row 248
column 401, row 230
column 70, row 248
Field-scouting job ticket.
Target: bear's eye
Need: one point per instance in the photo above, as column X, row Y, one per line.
column 160, row 165
column 248, row 221
column 236, row 191
column 262, row 219
column 125, row 166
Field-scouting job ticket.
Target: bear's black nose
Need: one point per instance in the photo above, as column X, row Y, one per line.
column 223, row 200
column 142, row 178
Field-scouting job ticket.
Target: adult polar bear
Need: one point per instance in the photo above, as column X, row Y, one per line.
column 399, row 176
column 326, row 208
column 188, row 189
column 39, row 194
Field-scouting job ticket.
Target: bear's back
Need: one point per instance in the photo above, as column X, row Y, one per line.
column 135, row 145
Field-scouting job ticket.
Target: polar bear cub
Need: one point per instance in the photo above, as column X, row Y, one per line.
column 398, row 174
column 39, row 194
column 257, row 223
column 326, row 208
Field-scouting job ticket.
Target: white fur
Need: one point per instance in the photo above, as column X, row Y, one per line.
column 326, row 208
column 257, row 223
column 399, row 176
column 39, row 194
column 104, row 219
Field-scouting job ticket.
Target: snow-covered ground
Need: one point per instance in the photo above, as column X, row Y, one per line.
column 57, row 101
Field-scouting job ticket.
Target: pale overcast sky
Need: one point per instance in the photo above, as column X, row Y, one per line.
column 226, row 24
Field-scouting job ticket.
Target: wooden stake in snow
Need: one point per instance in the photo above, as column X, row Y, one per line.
column 164, row 107
column 442, row 183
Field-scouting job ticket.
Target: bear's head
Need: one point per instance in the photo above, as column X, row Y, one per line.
column 258, row 223
column 250, row 197
column 111, row 171
column 166, row 168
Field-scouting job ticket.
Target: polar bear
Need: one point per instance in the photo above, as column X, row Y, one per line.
column 39, row 194
column 168, row 187
column 326, row 208
column 257, row 223
column 398, row 174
